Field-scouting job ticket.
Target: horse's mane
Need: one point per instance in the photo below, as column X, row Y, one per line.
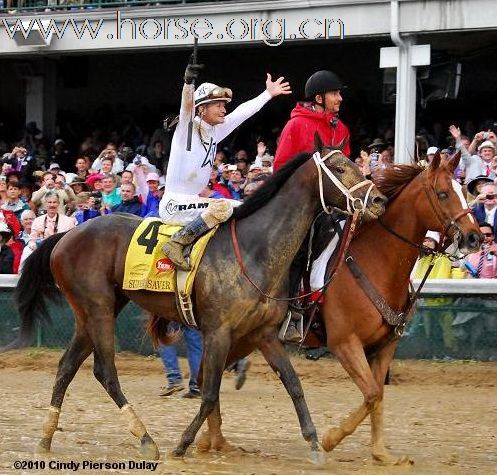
column 391, row 181
column 270, row 187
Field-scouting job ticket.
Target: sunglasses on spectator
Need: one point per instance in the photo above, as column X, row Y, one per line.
column 488, row 234
column 489, row 197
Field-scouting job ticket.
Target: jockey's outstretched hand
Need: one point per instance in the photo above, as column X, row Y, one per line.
column 275, row 88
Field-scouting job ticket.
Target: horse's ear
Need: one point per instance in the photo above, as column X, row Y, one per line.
column 454, row 162
column 342, row 144
column 435, row 163
column 318, row 143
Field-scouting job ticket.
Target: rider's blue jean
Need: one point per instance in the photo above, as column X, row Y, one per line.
column 169, row 356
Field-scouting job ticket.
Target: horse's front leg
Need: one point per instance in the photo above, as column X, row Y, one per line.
column 351, row 356
column 379, row 365
column 216, row 349
column 278, row 359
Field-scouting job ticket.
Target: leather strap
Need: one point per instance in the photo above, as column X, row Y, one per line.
column 343, row 248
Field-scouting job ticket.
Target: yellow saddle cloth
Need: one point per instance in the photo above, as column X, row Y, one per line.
column 146, row 266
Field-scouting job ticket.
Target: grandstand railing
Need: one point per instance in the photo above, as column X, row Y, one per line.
column 455, row 319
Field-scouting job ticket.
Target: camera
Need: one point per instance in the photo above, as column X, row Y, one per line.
column 486, row 135
column 97, row 196
column 137, row 160
column 375, row 157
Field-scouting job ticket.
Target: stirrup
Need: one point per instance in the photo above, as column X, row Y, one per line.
column 299, row 325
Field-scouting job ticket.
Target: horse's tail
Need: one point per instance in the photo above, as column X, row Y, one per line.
column 160, row 332
column 36, row 286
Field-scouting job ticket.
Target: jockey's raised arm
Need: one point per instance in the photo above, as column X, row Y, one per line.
column 188, row 172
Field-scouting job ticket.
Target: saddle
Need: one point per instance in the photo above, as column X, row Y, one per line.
column 147, row 268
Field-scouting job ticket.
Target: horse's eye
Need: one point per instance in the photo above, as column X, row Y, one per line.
column 340, row 170
column 442, row 195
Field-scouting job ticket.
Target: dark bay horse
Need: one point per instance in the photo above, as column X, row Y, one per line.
column 419, row 200
column 87, row 265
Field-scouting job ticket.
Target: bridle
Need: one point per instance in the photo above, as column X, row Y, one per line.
column 355, row 209
column 447, row 222
column 353, row 203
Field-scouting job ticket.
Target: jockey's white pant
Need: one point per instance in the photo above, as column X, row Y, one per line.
column 180, row 209
column 318, row 269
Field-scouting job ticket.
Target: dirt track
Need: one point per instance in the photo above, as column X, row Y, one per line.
column 444, row 415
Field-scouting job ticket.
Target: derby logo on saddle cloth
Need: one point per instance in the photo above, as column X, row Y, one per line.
column 147, row 268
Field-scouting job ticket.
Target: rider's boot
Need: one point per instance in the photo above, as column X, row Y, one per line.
column 173, row 249
column 293, row 334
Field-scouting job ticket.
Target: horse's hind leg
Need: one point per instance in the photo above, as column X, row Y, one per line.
column 216, row 349
column 79, row 349
column 351, row 356
column 278, row 359
column 213, row 438
column 379, row 365
column 102, row 333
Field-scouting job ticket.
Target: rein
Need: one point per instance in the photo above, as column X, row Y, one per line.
column 350, row 230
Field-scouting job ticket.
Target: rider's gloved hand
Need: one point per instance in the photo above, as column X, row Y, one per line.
column 192, row 71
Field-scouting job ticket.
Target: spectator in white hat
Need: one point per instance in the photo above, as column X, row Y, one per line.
column 188, row 171
column 481, row 164
column 430, row 153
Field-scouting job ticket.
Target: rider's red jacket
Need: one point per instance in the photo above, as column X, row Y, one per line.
column 298, row 134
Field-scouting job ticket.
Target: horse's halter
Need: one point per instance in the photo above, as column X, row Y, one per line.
column 447, row 222
column 353, row 203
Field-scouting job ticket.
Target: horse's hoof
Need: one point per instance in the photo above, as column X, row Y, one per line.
column 204, row 442
column 317, row 457
column 387, row 459
column 43, row 446
column 225, row 447
column 331, row 439
column 149, row 449
column 178, row 452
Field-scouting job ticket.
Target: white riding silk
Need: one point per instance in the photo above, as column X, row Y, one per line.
column 188, row 171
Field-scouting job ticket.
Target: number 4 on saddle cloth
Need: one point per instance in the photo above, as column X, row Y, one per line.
column 147, row 268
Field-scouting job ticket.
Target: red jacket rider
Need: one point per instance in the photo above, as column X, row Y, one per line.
column 320, row 115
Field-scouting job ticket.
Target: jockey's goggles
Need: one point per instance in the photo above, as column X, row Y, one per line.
column 216, row 94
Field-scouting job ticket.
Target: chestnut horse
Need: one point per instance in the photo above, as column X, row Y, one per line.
column 419, row 200
column 87, row 265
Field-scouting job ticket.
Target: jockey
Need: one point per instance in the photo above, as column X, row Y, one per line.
column 188, row 172
column 319, row 113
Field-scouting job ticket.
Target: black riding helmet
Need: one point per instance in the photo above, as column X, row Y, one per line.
column 321, row 82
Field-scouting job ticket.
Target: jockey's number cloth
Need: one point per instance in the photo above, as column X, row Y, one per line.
column 147, row 268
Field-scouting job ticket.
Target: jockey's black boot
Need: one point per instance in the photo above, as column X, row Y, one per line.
column 185, row 236
column 291, row 333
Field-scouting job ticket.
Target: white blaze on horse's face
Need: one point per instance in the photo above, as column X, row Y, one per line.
column 456, row 186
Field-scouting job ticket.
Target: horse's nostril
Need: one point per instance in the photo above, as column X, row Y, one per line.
column 474, row 240
column 379, row 201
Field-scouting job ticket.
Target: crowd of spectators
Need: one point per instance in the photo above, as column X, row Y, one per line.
column 46, row 189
